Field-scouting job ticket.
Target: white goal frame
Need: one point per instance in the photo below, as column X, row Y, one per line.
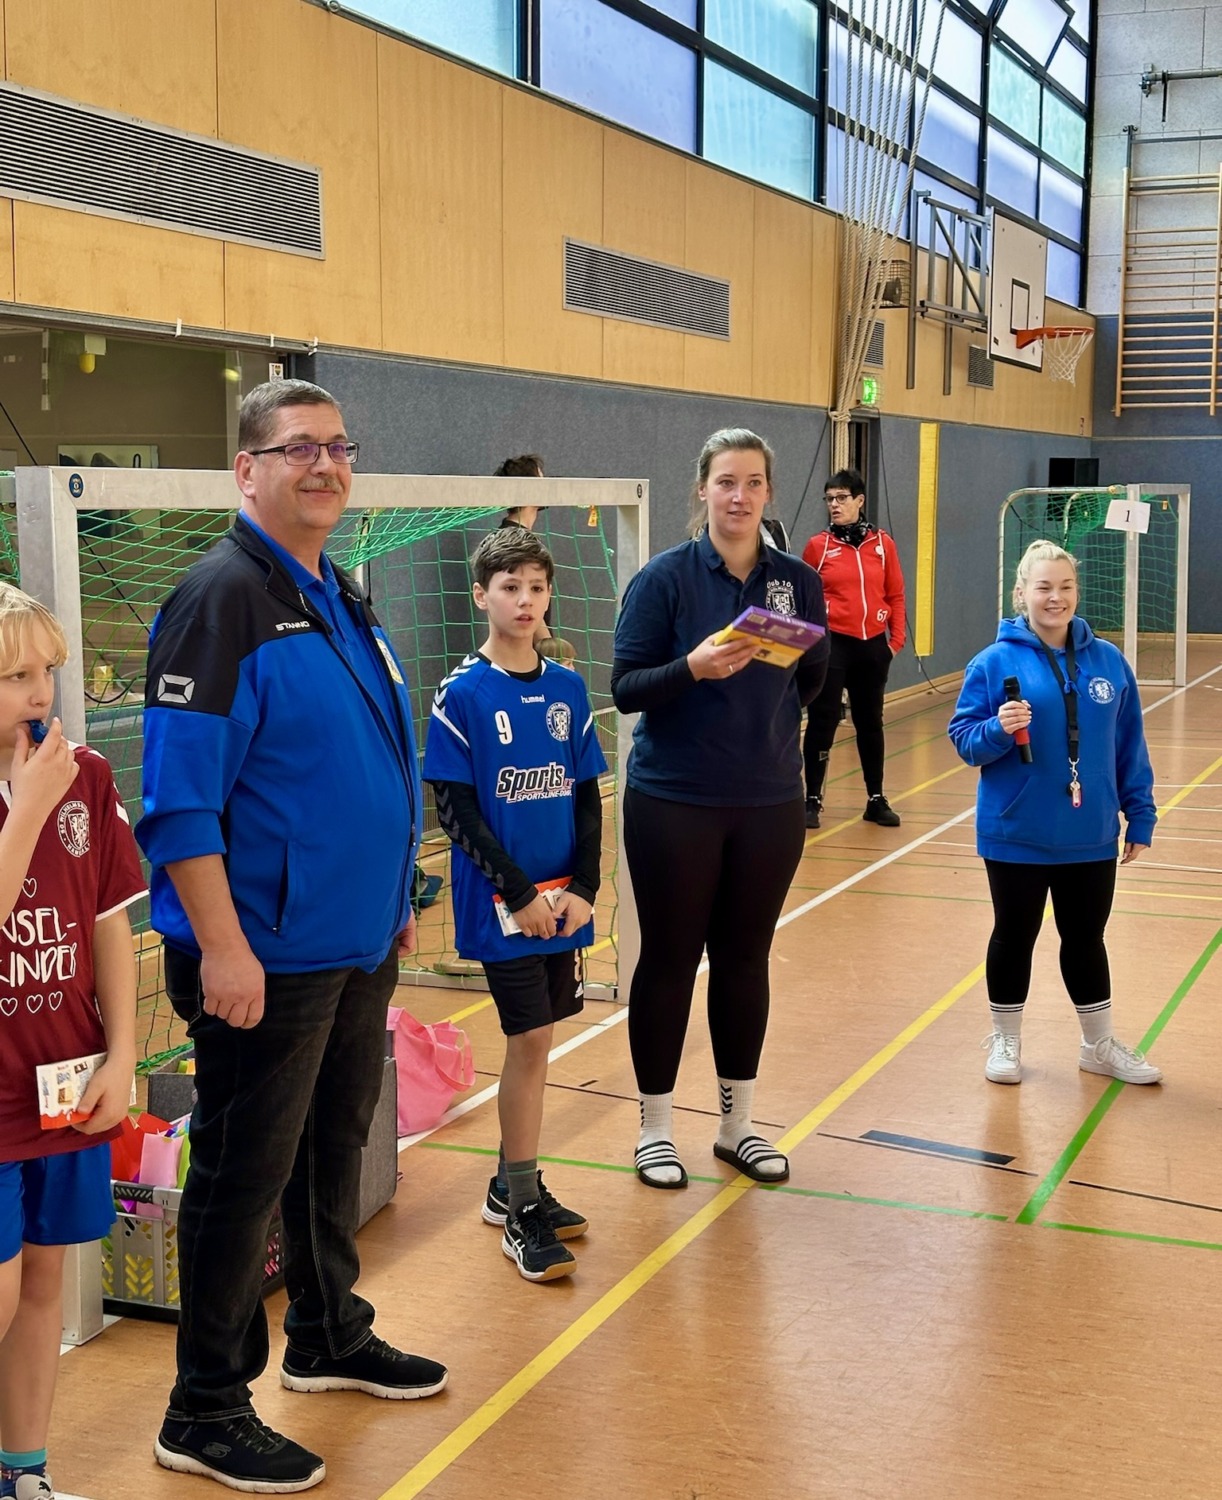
column 1132, row 564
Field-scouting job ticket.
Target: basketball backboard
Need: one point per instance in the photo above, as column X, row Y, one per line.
column 1016, row 290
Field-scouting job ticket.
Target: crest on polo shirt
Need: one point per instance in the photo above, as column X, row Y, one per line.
column 559, row 721
column 73, row 825
column 779, row 597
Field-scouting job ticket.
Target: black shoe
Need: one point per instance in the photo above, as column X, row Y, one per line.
column 814, row 810
column 566, row 1223
column 530, row 1240
column 376, row 1368
column 241, row 1452
column 879, row 810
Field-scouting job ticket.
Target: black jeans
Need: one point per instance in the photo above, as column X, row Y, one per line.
column 705, row 877
column 1081, row 904
column 282, row 1113
column 862, row 667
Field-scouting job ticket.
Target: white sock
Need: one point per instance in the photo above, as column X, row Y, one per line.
column 1008, row 1019
column 736, row 1096
column 1096, row 1022
column 656, row 1126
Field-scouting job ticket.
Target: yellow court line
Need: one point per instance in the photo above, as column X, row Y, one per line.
column 826, row 833
column 472, row 1428
column 471, row 1010
column 520, row 1385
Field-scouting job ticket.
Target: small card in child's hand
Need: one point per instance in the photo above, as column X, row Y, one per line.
column 61, row 1087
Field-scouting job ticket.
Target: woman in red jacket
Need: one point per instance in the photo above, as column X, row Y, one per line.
column 864, row 588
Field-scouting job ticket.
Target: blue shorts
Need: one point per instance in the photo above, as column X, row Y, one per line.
column 56, row 1200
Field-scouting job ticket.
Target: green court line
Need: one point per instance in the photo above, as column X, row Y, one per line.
column 1131, row 1234
column 1034, row 1206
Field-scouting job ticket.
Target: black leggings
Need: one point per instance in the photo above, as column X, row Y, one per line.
column 1081, row 904
column 712, row 877
column 862, row 667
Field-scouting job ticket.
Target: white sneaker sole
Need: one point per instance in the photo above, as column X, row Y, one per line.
column 1154, row 1076
column 313, row 1383
column 183, row 1463
column 1011, row 1075
column 550, row 1273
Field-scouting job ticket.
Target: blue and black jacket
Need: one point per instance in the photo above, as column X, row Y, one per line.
column 268, row 744
column 1024, row 814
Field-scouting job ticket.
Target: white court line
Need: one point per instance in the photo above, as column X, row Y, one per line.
column 457, row 1112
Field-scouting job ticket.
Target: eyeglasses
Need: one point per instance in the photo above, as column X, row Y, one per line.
column 838, row 498
column 302, row 455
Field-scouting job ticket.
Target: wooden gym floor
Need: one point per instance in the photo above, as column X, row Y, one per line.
column 964, row 1290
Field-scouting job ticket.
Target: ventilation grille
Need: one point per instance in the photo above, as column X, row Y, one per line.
column 642, row 291
column 979, row 367
column 875, row 348
column 67, row 154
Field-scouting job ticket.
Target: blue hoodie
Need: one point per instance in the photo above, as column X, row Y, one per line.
column 1024, row 814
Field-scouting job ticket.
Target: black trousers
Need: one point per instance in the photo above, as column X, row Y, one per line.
column 862, row 667
column 712, row 877
column 1081, row 904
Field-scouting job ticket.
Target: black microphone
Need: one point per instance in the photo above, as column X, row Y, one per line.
column 1022, row 737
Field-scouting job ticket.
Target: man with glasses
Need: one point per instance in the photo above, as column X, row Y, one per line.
column 281, row 818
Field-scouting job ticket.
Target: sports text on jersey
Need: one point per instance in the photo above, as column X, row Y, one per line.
column 533, row 783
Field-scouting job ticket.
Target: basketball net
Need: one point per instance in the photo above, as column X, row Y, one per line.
column 1063, row 348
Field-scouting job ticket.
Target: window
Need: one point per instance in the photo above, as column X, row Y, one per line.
column 1064, row 133
column 754, row 132
column 602, row 60
column 677, row 10
column 483, row 31
column 871, row 161
column 1014, row 95
column 1080, row 20
column 1012, row 174
column 1064, row 274
column 1068, row 67
column 1036, row 25
column 950, row 137
column 1060, row 203
column 921, row 182
column 873, row 92
column 957, row 61
column 779, row 36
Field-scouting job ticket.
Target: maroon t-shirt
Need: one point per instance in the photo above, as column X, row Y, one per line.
column 85, row 867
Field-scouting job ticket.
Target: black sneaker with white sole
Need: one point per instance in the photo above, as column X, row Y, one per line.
column 879, row 810
column 377, row 1368
column 530, row 1240
column 566, row 1223
column 241, row 1452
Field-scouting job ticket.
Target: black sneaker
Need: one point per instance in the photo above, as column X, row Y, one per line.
column 814, row 810
column 376, row 1368
column 530, row 1240
column 879, row 810
column 566, row 1224
column 241, row 1452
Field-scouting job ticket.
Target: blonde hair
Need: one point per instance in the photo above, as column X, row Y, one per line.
column 558, row 649
column 727, row 440
column 1038, row 552
column 20, row 614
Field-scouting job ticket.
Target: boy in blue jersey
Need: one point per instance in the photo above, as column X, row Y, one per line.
column 514, row 762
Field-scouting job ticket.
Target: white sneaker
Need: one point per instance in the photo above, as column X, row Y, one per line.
column 1115, row 1060
column 1004, row 1062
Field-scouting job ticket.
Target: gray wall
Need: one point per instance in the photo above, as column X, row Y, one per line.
column 416, row 417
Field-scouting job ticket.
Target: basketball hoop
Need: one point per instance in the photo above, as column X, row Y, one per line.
column 1063, row 348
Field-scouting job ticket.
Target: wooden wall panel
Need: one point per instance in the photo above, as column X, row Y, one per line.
column 440, row 158
column 781, row 327
column 644, row 192
column 825, row 291
column 553, row 188
column 303, row 84
column 90, row 264
column 140, row 57
column 6, row 243
column 721, row 242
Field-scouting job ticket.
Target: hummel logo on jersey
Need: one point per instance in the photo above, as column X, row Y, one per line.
column 293, row 625
column 538, row 698
column 533, row 783
column 171, row 689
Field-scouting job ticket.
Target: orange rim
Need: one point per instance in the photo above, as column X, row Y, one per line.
column 1025, row 336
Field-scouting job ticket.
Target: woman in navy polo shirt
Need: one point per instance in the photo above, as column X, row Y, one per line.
column 714, row 812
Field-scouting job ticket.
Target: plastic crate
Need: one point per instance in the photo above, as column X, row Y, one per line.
column 140, row 1254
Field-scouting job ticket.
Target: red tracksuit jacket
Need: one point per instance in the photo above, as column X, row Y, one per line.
column 864, row 586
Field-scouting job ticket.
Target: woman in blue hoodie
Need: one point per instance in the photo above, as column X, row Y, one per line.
column 1050, row 714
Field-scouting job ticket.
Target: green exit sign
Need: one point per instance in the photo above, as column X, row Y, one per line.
column 871, row 391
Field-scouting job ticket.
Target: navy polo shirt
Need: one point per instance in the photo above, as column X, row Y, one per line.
column 731, row 742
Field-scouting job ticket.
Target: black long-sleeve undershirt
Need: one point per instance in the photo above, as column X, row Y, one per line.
column 461, row 821
column 638, row 689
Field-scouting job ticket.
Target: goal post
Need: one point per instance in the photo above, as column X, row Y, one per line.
column 103, row 547
column 1133, row 571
